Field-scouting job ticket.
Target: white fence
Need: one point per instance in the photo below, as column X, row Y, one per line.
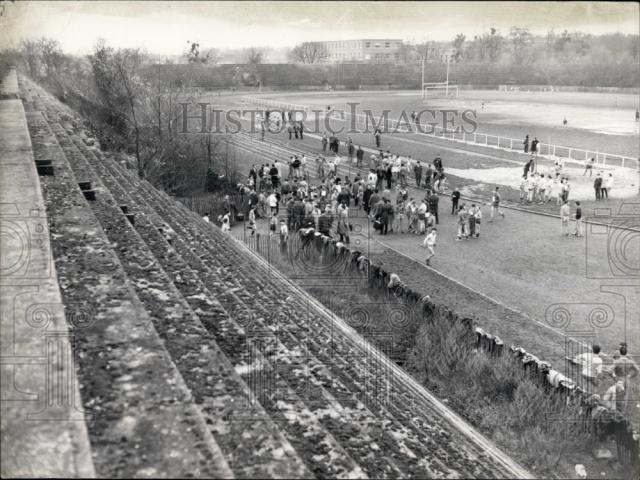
column 553, row 152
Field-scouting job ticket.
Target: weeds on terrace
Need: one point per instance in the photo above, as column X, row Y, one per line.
column 494, row 393
column 497, row 396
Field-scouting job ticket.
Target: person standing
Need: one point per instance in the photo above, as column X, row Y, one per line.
column 378, row 136
column 252, row 220
column 430, row 244
column 463, row 218
column 597, row 186
column 534, row 147
column 455, row 197
column 578, row 219
column 588, row 166
column 432, row 202
column 525, row 143
column 607, row 186
column 565, row 214
column 342, row 229
column 324, row 142
column 359, row 157
column 422, row 217
column 417, row 171
column 472, row 220
column 477, row 220
column 495, row 204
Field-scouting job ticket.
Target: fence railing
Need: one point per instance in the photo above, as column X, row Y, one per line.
column 550, row 151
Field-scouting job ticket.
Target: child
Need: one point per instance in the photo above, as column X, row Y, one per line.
column 430, row 244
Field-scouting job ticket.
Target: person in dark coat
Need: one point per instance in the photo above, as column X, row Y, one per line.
column 437, row 163
column 359, row 157
column 417, row 171
column 273, row 173
column 526, row 144
column 365, row 199
column 455, row 197
column 324, row 223
column 388, row 175
column 384, row 215
column 597, row 185
column 432, row 204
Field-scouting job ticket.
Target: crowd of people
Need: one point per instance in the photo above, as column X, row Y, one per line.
column 287, row 197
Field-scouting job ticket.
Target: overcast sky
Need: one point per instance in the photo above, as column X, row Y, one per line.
column 165, row 27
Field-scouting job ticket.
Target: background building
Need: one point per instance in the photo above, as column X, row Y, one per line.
column 361, row 50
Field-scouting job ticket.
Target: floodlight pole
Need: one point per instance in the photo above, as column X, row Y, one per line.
column 446, row 88
column 422, row 84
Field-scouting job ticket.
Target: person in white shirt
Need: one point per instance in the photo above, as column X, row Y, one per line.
column 430, row 244
column 531, row 187
column 252, row 220
column 226, row 224
column 565, row 213
column 206, row 217
column 422, row 217
column 591, row 364
column 607, row 185
column 273, row 203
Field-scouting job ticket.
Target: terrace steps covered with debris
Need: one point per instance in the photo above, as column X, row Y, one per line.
column 198, row 359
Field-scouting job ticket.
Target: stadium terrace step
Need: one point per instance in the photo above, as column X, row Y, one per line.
column 240, row 426
column 44, row 432
column 142, row 420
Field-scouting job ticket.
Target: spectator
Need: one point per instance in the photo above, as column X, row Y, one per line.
column 597, row 186
column 455, row 197
column 607, row 186
column 525, row 143
column 565, row 213
column 417, row 171
column 206, row 217
column 578, row 219
column 432, row 202
column 591, row 365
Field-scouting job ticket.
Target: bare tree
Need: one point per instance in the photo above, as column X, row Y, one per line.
column 308, row 52
column 521, row 40
column 458, row 44
column 253, row 56
column 31, row 54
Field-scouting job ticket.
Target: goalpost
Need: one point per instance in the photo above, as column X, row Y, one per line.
column 435, row 86
column 449, row 90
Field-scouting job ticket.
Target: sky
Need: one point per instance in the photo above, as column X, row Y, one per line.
column 166, row 27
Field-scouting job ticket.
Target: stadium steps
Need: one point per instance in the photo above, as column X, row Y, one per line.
column 204, row 367
column 140, row 415
column 429, row 436
column 327, row 400
column 319, row 401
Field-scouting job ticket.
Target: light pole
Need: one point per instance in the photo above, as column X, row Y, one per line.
column 446, row 88
column 422, row 84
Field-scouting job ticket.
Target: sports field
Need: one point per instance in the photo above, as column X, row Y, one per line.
column 521, row 262
column 599, row 121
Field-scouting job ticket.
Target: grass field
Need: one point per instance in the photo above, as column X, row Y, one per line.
column 596, row 121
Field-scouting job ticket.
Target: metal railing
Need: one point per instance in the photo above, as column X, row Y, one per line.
column 549, row 151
